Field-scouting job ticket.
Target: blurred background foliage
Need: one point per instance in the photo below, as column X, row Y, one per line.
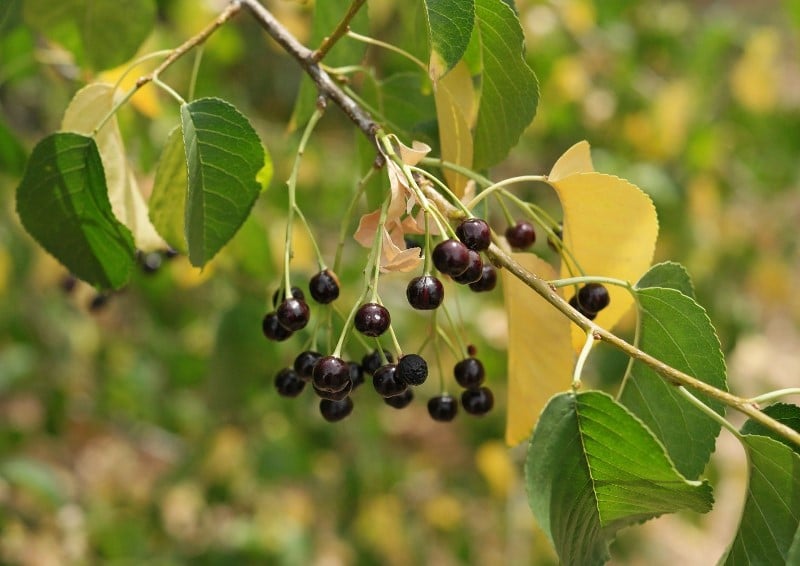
column 148, row 431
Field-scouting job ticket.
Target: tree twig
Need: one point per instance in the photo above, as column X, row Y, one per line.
column 337, row 34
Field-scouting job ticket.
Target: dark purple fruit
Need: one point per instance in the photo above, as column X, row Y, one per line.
column 280, row 295
column 304, row 364
column 477, row 401
column 356, row 374
column 68, row 283
column 150, row 262
column 372, row 361
column 412, row 369
column 334, row 395
column 331, row 374
column 333, row 411
column 469, row 373
column 288, row 383
column 372, row 319
column 521, row 235
column 400, row 401
column 474, row 270
column 386, row 381
column 443, row 408
column 99, row 302
column 425, row 293
column 451, row 257
column 324, row 287
column 487, row 281
column 573, row 302
column 475, row 234
column 593, row 297
column 293, row 314
column 273, row 329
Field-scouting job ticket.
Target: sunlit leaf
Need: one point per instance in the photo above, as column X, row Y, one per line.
column 62, row 202
column 509, row 91
column 610, row 228
column 677, row 331
column 224, row 154
column 84, row 113
column 450, row 25
column 669, row 275
column 592, row 469
column 454, row 96
column 771, row 516
column 168, row 200
column 540, row 356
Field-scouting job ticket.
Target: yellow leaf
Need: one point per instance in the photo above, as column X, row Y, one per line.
column 576, row 159
column 540, row 358
column 755, row 75
column 145, row 100
column 84, row 113
column 454, row 109
column 610, row 228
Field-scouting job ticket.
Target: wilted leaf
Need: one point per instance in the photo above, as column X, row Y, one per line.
column 450, row 25
column 592, row 469
column 677, row 331
column 168, row 200
column 224, row 155
column 62, row 202
column 540, row 356
column 454, row 96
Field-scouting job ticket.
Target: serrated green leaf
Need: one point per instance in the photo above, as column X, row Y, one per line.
column 771, row 516
column 784, row 413
column 168, row 200
column 224, row 154
column 677, row 331
column 509, row 91
column 592, row 469
column 669, row 275
column 106, row 33
column 326, row 17
column 63, row 203
column 450, row 24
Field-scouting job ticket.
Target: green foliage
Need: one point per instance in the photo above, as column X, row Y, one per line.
column 594, row 468
column 168, row 200
column 668, row 275
column 450, row 24
column 62, row 201
column 781, row 412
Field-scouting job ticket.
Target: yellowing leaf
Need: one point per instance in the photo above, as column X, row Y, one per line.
column 454, row 97
column 540, row 358
column 87, row 108
column 576, row 159
column 755, row 76
column 145, row 100
column 610, row 227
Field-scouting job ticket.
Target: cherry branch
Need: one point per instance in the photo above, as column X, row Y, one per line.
column 341, row 30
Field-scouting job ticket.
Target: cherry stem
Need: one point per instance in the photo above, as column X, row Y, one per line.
column 348, row 216
column 341, row 29
column 773, row 395
column 504, row 183
column 461, row 346
column 709, row 412
column 456, row 201
column 480, row 179
column 198, row 58
column 582, row 357
column 378, row 43
column 507, row 213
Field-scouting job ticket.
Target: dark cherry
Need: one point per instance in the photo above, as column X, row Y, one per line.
column 386, row 381
column 171, row 253
column 521, row 235
column 475, row 234
column 372, row 319
column 593, row 297
column 400, row 401
column 99, row 302
column 333, row 411
column 68, row 283
column 469, row 373
column 372, row 361
column 573, row 302
column 273, row 329
column 356, row 373
column 412, row 369
column 280, row 295
column 425, row 293
column 334, row 395
column 324, row 287
column 293, row 314
column 443, row 408
column 487, row 282
column 477, row 401
column 288, row 383
column 331, row 374
column 451, row 257
column 474, row 270
column 150, row 262
column 304, row 364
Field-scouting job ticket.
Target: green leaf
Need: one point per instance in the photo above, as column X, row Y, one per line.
column 509, row 91
column 592, row 469
column 406, row 104
column 224, row 154
column 105, row 33
column 677, row 331
column 12, row 154
column 450, row 24
column 769, row 527
column 168, row 200
column 784, row 413
column 63, row 203
column 669, row 275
